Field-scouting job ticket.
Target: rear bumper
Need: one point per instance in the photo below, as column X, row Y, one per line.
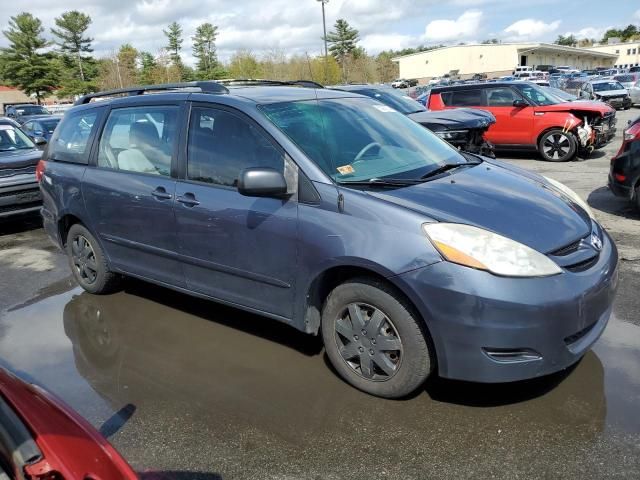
column 493, row 329
column 19, row 197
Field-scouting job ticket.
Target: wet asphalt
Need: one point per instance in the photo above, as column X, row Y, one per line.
column 189, row 389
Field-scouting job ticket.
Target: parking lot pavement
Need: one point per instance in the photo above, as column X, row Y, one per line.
column 196, row 390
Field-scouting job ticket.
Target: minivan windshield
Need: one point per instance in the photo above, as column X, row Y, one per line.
column 359, row 139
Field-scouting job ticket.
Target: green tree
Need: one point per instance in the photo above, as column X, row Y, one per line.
column 148, row 67
column 569, row 40
column 204, row 50
column 24, row 64
column 71, row 39
column 244, row 64
column 174, row 42
column 490, row 41
column 343, row 42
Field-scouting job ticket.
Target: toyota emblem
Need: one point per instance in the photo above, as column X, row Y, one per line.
column 596, row 242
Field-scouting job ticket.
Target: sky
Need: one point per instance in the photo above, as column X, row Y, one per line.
column 295, row 26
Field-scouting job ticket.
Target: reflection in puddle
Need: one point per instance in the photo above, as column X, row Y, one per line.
column 240, row 376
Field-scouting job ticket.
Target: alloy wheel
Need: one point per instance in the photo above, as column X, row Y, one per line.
column 84, row 259
column 368, row 342
column 557, row 146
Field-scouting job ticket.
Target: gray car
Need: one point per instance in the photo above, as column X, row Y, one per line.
column 634, row 93
column 608, row 91
column 19, row 191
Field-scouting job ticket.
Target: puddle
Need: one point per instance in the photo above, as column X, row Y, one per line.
column 260, row 390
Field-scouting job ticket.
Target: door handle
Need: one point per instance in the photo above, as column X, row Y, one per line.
column 188, row 200
column 161, row 194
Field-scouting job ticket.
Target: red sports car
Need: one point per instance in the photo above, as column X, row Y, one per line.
column 529, row 117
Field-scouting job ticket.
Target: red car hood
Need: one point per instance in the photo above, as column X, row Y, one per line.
column 587, row 105
column 68, row 444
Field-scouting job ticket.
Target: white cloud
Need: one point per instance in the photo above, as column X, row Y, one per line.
column 637, row 15
column 384, row 41
column 465, row 26
column 589, row 32
column 530, row 29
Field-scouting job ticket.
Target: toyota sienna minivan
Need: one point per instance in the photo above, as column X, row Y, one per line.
column 337, row 215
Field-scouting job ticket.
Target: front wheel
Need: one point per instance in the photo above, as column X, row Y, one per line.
column 557, row 145
column 374, row 339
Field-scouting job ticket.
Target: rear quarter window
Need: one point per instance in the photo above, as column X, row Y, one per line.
column 72, row 139
column 462, row 98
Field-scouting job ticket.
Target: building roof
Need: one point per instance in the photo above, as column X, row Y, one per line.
column 520, row 46
column 611, row 45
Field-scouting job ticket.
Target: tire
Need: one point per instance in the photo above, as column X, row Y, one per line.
column 557, row 146
column 88, row 262
column 392, row 363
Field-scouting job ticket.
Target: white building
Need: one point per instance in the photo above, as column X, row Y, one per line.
column 497, row 59
column 628, row 54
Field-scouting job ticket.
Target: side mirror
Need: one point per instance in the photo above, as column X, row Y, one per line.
column 519, row 103
column 39, row 140
column 262, row 182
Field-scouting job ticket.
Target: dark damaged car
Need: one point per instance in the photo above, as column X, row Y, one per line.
column 464, row 128
column 624, row 176
column 19, row 190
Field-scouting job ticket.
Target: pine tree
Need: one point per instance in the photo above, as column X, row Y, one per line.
column 204, row 49
column 343, row 43
column 148, row 68
column 174, row 45
column 71, row 37
column 24, row 66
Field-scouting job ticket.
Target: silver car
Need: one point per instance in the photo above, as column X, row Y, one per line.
column 634, row 93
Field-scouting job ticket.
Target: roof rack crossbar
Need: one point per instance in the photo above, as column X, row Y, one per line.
column 246, row 82
column 205, row 87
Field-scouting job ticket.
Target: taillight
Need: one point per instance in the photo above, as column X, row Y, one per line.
column 40, row 168
column 620, row 177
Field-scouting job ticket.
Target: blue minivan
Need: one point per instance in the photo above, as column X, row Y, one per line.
column 335, row 214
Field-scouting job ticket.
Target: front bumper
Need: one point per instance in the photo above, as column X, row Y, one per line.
column 494, row 329
column 19, row 195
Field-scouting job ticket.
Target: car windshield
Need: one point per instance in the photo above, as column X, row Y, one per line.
column 49, row 125
column 12, row 138
column 536, row 94
column 32, row 110
column 358, row 139
column 606, row 86
column 394, row 99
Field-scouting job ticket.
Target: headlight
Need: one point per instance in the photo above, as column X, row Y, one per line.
column 477, row 248
column 451, row 134
column 628, row 135
column 572, row 195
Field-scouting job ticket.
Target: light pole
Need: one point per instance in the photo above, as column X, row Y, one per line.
column 324, row 27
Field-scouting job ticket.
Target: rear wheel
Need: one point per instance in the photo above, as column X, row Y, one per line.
column 374, row 340
column 557, row 145
column 88, row 263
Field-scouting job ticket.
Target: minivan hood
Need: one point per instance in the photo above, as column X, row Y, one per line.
column 19, row 158
column 455, row 119
column 520, row 207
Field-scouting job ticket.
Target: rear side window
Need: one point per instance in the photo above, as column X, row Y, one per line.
column 222, row 144
column 71, row 141
column 501, row 97
column 462, row 98
column 139, row 139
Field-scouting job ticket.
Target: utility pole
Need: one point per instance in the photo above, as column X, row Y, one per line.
column 326, row 52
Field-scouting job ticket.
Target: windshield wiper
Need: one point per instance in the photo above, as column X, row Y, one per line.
column 381, row 182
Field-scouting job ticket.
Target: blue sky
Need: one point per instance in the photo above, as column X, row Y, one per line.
column 296, row 26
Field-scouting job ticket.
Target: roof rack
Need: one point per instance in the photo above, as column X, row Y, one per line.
column 249, row 82
column 205, row 87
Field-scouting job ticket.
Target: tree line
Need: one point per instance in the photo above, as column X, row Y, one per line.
column 61, row 61
column 628, row 34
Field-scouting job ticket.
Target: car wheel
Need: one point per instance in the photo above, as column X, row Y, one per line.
column 557, row 145
column 374, row 339
column 88, row 262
